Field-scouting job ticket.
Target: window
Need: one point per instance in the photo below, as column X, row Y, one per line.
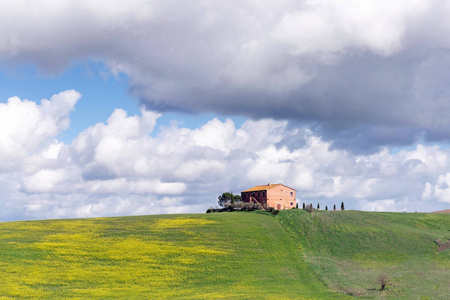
column 292, row 203
column 292, row 194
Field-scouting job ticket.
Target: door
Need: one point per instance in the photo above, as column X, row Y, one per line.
column 278, row 206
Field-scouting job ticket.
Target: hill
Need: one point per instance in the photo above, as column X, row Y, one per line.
column 240, row 255
column 349, row 249
column 202, row 256
column 445, row 211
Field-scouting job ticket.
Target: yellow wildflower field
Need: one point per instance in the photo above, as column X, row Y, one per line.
column 177, row 256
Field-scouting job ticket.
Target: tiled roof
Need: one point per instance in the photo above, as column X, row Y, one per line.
column 261, row 187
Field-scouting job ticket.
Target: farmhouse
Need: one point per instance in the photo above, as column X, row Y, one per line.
column 277, row 196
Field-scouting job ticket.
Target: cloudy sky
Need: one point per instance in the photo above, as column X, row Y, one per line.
column 147, row 107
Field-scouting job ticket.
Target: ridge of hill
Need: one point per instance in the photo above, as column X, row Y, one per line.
column 240, row 255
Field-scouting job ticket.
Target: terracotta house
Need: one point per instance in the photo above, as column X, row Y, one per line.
column 277, row 196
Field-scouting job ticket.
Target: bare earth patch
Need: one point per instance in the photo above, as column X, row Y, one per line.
column 442, row 246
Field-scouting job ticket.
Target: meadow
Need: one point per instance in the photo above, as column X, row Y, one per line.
column 239, row 255
column 203, row 256
column 348, row 250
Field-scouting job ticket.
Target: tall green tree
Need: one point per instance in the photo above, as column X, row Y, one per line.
column 228, row 197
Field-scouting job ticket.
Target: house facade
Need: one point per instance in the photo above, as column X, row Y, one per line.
column 278, row 196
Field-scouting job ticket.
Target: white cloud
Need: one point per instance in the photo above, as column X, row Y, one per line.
column 129, row 165
column 325, row 31
column 44, row 180
column 440, row 191
column 381, row 205
column 26, row 127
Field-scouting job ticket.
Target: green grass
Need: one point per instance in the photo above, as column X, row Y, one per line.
column 240, row 255
column 348, row 250
column 228, row 255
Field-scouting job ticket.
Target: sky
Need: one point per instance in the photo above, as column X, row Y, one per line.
column 111, row 108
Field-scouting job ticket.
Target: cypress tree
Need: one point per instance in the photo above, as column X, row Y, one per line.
column 304, row 205
column 318, row 206
column 326, row 207
column 334, row 208
column 342, row 206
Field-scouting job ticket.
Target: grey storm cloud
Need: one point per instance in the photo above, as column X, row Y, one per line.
column 361, row 73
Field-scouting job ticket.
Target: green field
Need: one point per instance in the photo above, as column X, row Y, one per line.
column 349, row 249
column 239, row 255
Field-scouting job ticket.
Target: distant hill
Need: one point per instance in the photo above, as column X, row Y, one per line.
column 447, row 211
column 239, row 255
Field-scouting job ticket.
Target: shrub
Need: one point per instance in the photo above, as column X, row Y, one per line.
column 230, row 207
column 209, row 210
column 309, row 208
column 238, row 205
column 248, row 206
column 383, row 279
column 275, row 212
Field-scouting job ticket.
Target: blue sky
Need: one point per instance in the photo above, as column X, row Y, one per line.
column 102, row 92
column 101, row 95
column 157, row 107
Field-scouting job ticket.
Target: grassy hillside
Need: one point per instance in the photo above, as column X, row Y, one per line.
column 348, row 250
column 228, row 255
column 240, row 255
